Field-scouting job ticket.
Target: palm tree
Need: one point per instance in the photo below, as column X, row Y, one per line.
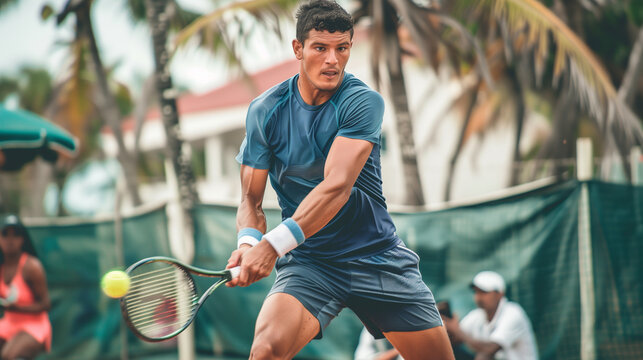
column 593, row 87
column 104, row 99
column 437, row 35
column 529, row 31
column 158, row 16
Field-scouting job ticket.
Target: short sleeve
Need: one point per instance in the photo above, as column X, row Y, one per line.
column 469, row 323
column 361, row 115
column 511, row 326
column 254, row 150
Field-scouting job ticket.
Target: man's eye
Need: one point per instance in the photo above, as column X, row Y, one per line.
column 319, row 48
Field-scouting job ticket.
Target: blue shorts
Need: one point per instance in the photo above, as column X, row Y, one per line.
column 385, row 291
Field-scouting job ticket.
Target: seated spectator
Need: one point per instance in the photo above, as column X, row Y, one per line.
column 25, row 330
column 498, row 328
column 370, row 348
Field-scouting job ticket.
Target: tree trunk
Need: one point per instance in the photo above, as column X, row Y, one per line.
column 414, row 193
column 627, row 91
column 458, row 149
column 520, row 120
column 158, row 19
column 106, row 103
column 561, row 144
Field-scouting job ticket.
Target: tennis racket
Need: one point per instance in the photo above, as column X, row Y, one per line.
column 162, row 300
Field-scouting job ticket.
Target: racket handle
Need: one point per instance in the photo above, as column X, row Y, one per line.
column 234, row 272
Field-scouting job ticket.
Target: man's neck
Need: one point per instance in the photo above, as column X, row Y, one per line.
column 491, row 313
column 313, row 96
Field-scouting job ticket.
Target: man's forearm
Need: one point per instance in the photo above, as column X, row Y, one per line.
column 483, row 348
column 252, row 216
column 320, row 206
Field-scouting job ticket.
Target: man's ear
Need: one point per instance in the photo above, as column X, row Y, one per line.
column 298, row 49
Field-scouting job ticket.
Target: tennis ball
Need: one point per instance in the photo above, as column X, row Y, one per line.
column 115, row 283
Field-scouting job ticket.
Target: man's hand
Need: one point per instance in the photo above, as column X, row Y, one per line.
column 256, row 263
column 452, row 326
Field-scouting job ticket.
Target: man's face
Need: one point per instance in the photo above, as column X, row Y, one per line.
column 488, row 301
column 323, row 58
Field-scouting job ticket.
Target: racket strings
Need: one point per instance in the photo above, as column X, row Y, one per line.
column 151, row 289
column 161, row 299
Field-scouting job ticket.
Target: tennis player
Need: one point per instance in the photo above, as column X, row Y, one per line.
column 317, row 136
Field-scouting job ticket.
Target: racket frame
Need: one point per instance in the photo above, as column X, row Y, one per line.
column 224, row 275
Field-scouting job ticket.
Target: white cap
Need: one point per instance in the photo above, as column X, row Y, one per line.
column 488, row 281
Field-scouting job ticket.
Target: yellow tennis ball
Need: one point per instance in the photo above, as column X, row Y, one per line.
column 115, row 283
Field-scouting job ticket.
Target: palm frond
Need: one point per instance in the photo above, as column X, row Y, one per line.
column 72, row 102
column 36, row 90
column 256, row 8
column 429, row 28
column 536, row 25
column 180, row 17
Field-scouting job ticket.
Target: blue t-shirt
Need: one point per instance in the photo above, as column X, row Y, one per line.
column 292, row 139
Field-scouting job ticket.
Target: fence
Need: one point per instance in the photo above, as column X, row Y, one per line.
column 531, row 238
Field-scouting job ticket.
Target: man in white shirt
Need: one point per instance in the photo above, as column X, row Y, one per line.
column 370, row 348
column 498, row 328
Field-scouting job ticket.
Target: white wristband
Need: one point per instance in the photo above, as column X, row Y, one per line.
column 285, row 237
column 247, row 239
column 248, row 236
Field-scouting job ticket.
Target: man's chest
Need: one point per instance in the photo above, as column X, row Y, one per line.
column 299, row 137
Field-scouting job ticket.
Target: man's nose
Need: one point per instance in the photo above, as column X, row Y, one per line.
column 331, row 58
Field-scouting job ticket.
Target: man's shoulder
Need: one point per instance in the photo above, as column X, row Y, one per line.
column 352, row 86
column 474, row 317
column 354, row 94
column 265, row 102
column 513, row 310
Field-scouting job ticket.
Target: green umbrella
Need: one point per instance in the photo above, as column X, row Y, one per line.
column 25, row 135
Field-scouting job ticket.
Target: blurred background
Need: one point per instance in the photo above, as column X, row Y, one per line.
column 511, row 142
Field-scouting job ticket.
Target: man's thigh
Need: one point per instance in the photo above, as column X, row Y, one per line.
column 389, row 295
column 284, row 325
column 318, row 287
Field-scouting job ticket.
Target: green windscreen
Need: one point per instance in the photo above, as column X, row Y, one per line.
column 531, row 239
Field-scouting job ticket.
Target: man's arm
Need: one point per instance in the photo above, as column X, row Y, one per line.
column 250, row 212
column 483, row 349
column 253, row 186
column 345, row 161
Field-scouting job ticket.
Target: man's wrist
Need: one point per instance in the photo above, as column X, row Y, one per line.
column 249, row 236
column 285, row 237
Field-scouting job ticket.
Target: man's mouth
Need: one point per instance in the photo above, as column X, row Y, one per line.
column 330, row 73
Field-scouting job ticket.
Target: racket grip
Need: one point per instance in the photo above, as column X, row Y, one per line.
column 234, row 272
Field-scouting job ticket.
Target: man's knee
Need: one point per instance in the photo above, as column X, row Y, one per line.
column 263, row 350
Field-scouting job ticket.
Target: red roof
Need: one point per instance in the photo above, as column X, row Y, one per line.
column 234, row 93
column 238, row 92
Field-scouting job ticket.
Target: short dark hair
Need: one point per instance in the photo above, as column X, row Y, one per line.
column 322, row 15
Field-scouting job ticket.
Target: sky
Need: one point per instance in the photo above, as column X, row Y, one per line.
column 29, row 41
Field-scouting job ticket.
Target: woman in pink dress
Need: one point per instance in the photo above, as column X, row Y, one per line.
column 25, row 330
